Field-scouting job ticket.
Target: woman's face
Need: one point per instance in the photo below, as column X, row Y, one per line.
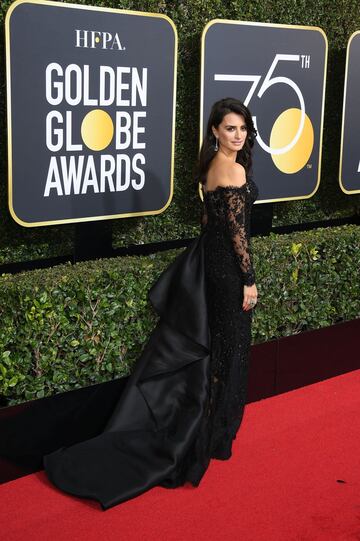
column 232, row 132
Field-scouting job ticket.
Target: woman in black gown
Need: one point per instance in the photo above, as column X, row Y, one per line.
column 185, row 399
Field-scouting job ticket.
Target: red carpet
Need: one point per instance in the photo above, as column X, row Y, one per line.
column 280, row 485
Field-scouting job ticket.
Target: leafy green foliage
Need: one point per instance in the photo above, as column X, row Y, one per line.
column 181, row 218
column 306, row 281
column 71, row 326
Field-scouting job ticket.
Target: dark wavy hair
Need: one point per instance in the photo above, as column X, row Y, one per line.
column 207, row 151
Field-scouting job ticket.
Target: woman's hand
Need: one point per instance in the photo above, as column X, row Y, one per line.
column 250, row 294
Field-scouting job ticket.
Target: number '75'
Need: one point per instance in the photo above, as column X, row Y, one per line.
column 267, row 83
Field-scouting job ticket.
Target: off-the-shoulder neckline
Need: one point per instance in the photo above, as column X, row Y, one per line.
column 229, row 186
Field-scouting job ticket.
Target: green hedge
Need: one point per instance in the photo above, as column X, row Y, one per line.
column 338, row 19
column 72, row 326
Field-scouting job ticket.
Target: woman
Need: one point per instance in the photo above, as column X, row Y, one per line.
column 185, row 398
column 225, row 161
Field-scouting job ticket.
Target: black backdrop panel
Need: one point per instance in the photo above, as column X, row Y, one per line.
column 350, row 148
column 279, row 72
column 91, row 99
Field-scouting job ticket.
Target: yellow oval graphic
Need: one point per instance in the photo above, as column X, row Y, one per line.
column 283, row 132
column 97, row 129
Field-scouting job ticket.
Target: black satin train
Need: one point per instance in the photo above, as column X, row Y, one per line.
column 156, row 421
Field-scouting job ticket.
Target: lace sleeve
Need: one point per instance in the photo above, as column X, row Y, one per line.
column 235, row 218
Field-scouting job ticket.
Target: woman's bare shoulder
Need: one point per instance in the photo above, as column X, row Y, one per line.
column 226, row 174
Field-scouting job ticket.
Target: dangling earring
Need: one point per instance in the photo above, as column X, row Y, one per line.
column 216, row 144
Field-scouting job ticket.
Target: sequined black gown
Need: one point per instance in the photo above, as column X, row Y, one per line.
column 185, row 399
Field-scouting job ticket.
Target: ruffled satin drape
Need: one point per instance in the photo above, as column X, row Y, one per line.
column 157, row 418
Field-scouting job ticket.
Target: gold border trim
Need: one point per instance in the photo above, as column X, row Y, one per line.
column 271, row 25
column 348, row 192
column 9, row 125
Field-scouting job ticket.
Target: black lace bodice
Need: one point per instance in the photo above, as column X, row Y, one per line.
column 228, row 208
column 228, row 267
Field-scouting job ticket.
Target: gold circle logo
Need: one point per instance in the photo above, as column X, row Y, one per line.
column 97, row 129
column 283, row 132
